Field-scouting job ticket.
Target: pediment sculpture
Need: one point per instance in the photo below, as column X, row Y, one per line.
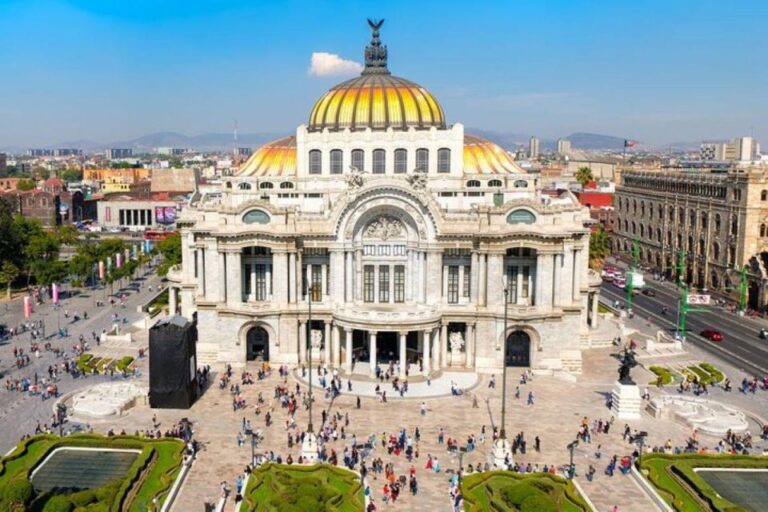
column 384, row 228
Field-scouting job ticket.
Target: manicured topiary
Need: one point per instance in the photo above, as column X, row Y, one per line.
column 58, row 504
column 17, row 492
column 83, row 498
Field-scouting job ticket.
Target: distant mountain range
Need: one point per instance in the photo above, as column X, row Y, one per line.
column 224, row 141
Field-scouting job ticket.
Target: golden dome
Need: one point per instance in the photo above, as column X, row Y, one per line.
column 377, row 101
column 484, row 157
column 276, row 158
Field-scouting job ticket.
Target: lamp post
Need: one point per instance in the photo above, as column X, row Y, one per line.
column 501, row 447
column 309, row 444
column 571, row 468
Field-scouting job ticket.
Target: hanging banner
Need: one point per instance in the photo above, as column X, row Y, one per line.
column 118, row 260
column 27, row 307
column 101, row 270
column 109, row 263
column 55, row 293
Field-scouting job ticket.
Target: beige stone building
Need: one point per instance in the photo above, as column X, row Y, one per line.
column 379, row 233
column 720, row 220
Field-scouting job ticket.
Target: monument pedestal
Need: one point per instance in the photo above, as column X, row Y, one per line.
column 309, row 448
column 501, row 448
column 626, row 401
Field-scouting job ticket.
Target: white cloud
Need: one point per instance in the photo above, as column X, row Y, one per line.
column 330, row 64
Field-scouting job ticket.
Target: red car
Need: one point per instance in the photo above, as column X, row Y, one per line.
column 712, row 335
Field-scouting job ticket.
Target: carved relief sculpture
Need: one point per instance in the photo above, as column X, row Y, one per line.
column 384, row 228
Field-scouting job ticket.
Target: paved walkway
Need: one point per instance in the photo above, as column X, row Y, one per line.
column 441, row 386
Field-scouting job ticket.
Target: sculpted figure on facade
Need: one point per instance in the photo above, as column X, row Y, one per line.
column 456, row 339
column 418, row 180
column 355, row 178
column 384, row 228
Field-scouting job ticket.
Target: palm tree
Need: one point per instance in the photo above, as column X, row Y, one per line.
column 584, row 176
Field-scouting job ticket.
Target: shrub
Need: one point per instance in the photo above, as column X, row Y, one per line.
column 124, row 363
column 663, row 375
column 537, row 503
column 18, row 492
column 717, row 375
column 58, row 504
column 83, row 498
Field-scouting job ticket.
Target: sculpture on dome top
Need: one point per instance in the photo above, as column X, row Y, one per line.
column 375, row 53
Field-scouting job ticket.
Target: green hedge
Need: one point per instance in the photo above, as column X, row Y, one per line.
column 663, row 376
column 507, row 490
column 717, row 375
column 159, row 460
column 673, row 474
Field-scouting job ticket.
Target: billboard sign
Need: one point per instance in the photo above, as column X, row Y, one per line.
column 165, row 215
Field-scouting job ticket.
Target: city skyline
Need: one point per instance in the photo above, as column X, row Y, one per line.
column 113, row 72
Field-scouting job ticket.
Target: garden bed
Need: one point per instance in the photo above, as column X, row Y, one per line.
column 510, row 491
column 677, row 482
column 148, row 478
column 89, row 364
column 294, row 488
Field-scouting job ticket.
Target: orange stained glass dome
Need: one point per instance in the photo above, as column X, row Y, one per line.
column 276, row 158
column 484, row 157
column 377, row 101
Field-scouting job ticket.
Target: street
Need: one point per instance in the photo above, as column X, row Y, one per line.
column 741, row 345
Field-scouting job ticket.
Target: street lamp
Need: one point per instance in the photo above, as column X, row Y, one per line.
column 571, row 467
column 309, row 444
column 501, row 447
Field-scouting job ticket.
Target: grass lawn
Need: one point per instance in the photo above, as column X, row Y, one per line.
column 507, row 490
column 294, row 488
column 88, row 364
column 150, row 476
column 674, row 478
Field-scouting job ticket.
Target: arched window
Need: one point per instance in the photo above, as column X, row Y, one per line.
column 521, row 184
column 358, row 159
column 634, row 206
column 731, row 256
column 762, row 230
column 669, row 238
column 286, row 184
column 671, row 213
column 244, row 186
column 717, row 222
column 256, row 217
column 642, row 208
column 701, row 247
column 229, row 184
column 315, row 162
column 704, row 220
column 521, row 216
column 692, row 218
column 661, row 212
column 734, row 226
column 337, row 161
column 494, row 183
column 401, row 161
column 473, row 184
column 379, row 161
column 690, row 243
column 716, row 251
column 764, row 195
column 642, row 231
column 266, row 185
column 443, row 160
column 658, row 235
column 634, row 228
column 422, row 159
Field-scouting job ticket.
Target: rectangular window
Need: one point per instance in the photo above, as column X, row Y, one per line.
column 357, row 159
column 383, row 283
column 444, row 160
column 315, row 162
column 526, row 281
column 195, row 265
column 368, row 286
column 422, row 159
column 453, row 284
column 247, row 279
column 512, row 283
column 401, row 161
column 399, row 283
column 379, row 161
column 467, row 279
column 261, row 282
column 317, row 283
column 337, row 158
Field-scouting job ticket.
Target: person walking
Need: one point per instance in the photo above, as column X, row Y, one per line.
column 530, row 398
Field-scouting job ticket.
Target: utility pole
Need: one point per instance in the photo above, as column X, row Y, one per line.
column 630, row 275
column 682, row 303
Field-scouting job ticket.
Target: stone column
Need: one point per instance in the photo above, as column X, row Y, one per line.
column 348, row 353
column 234, row 278
column 359, row 275
column 298, row 279
column 200, row 272
column 372, row 350
column 444, row 284
column 212, row 274
column 349, row 295
column 303, row 343
column 566, row 286
column 557, row 278
column 595, row 313
column 172, row 300
column 337, row 277
column 433, row 276
column 324, row 283
column 483, row 280
column 291, row 277
column 577, row 270
column 436, row 348
column 403, row 342
column 425, row 351
column 444, row 345
column 423, row 278
column 336, row 346
column 222, row 275
column 409, row 277
column 279, row 275
column 469, row 345
column 311, row 269
column 327, row 343
column 252, row 292
column 473, row 279
column 544, row 269
column 495, row 289
column 461, row 284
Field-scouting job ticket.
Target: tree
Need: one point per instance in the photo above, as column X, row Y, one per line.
column 584, row 176
column 25, row 185
column 170, row 248
column 72, row 174
column 8, row 274
column 599, row 247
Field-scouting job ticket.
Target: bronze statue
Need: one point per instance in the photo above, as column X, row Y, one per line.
column 375, row 52
column 627, row 363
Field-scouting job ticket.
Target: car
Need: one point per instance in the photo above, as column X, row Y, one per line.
column 648, row 292
column 712, row 335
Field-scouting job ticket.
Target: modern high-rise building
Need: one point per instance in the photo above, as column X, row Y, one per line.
column 67, row 152
column 741, row 149
column 117, row 153
column 563, row 147
column 244, row 151
column 533, row 148
column 168, row 151
column 37, row 152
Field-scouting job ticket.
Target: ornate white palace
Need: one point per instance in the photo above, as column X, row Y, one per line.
column 401, row 234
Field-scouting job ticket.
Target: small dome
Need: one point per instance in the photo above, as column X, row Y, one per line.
column 484, row 157
column 276, row 158
column 376, row 99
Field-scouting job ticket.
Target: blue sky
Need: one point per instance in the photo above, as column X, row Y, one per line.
column 656, row 71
